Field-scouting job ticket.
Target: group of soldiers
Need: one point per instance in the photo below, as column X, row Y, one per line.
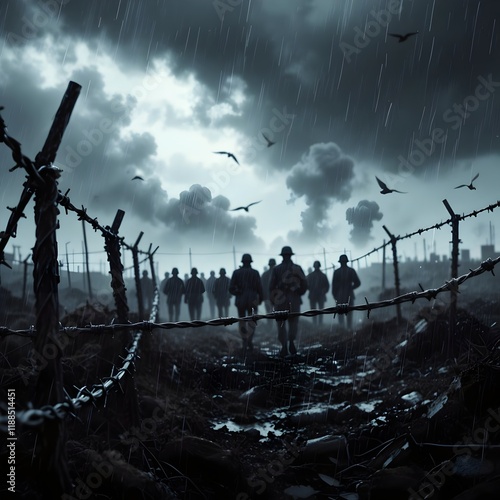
column 280, row 288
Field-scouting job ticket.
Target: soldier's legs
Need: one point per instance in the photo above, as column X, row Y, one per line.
column 177, row 310
column 293, row 328
column 313, row 305
column 170, row 308
column 246, row 328
column 282, row 337
column 192, row 311
column 321, row 305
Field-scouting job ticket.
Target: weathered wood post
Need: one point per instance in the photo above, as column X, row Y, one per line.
column 383, row 267
column 49, row 454
column 113, row 348
column 112, row 247
column 394, row 240
column 454, row 269
column 153, row 276
column 25, row 280
column 137, row 276
column 86, row 252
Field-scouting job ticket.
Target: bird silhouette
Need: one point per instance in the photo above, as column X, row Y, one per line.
column 385, row 189
column 245, row 208
column 269, row 142
column 137, row 177
column 229, row 155
column 470, row 186
column 403, row 38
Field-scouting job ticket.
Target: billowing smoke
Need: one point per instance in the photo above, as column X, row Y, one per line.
column 322, row 176
column 361, row 218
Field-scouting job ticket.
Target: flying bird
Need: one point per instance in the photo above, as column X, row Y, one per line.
column 385, row 189
column 269, row 142
column 470, row 186
column 403, row 38
column 245, row 208
column 137, row 177
column 229, row 155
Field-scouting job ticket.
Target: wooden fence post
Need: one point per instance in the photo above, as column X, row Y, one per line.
column 455, row 219
column 137, row 275
column 114, row 346
column 86, row 253
column 112, row 247
column 394, row 240
column 25, row 280
column 49, row 453
column 383, row 267
column 153, row 274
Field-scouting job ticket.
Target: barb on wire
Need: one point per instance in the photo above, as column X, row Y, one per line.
column 486, row 266
column 439, row 225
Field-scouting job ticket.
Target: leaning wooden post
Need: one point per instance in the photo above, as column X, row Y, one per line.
column 86, row 251
column 394, row 240
column 454, row 268
column 50, row 460
column 383, row 267
column 113, row 348
column 25, row 280
column 112, row 247
column 137, row 275
column 153, row 275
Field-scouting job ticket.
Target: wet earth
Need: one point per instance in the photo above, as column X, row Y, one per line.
column 409, row 410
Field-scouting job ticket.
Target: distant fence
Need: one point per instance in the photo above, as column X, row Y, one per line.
column 52, row 403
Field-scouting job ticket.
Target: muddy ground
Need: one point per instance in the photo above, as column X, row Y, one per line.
column 388, row 411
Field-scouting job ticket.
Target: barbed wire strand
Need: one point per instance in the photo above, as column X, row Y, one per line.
column 449, row 286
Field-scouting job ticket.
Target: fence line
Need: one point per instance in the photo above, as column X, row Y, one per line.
column 449, row 286
column 474, row 213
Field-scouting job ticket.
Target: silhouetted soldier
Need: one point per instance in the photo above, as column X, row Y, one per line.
column 266, row 278
column 318, row 286
column 163, row 283
column 221, row 293
column 174, row 289
column 246, row 286
column 345, row 281
column 147, row 292
column 194, row 295
column 288, row 284
column 209, row 288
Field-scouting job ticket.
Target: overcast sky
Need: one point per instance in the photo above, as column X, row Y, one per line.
column 167, row 83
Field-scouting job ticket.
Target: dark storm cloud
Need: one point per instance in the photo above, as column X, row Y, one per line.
column 292, row 54
column 322, row 176
column 361, row 218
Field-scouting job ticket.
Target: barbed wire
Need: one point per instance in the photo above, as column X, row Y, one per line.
column 449, row 286
column 35, row 417
column 439, row 225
